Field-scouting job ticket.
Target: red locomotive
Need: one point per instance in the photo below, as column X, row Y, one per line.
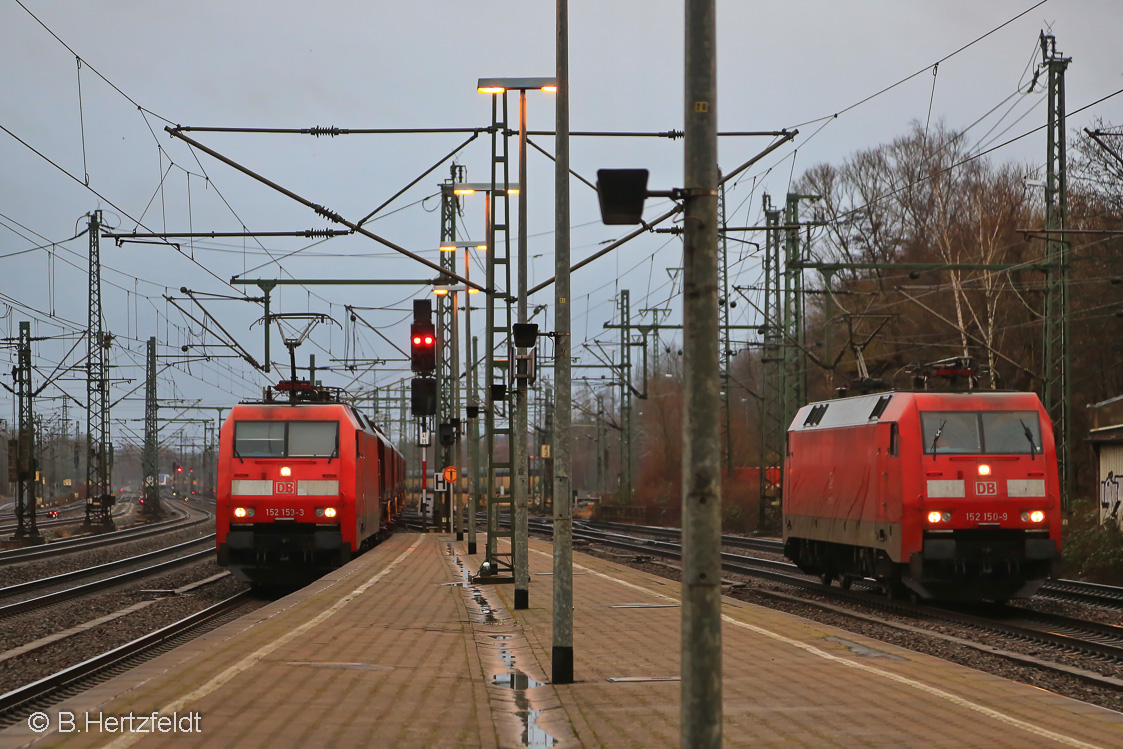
column 303, row 485
column 936, row 494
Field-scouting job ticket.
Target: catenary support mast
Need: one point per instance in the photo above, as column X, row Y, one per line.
column 701, row 708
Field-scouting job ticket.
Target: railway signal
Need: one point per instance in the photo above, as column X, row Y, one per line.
column 423, row 347
column 423, row 396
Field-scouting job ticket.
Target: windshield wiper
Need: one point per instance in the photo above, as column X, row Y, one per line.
column 237, row 454
column 1029, row 436
column 936, row 436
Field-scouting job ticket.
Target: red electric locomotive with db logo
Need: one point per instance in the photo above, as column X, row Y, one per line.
column 303, row 485
column 934, row 494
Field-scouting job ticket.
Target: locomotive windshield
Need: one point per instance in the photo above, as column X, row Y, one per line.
column 981, row 432
column 286, row 439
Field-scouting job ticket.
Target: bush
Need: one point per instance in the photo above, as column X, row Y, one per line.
column 1090, row 551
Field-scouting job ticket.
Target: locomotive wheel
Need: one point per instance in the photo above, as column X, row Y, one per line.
column 845, row 581
column 826, row 579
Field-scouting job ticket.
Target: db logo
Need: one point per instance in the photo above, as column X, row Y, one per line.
column 986, row 488
column 284, row 487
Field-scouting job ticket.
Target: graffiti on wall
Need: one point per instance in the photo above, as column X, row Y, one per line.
column 1109, row 500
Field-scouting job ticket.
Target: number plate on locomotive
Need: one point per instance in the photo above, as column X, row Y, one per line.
column 284, row 512
column 986, row 517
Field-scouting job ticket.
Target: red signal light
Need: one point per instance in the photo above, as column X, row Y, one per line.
column 428, row 340
column 417, row 340
column 179, row 469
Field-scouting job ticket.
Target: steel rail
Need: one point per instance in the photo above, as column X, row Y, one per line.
column 1084, row 592
column 774, row 545
column 46, row 582
column 45, row 523
column 50, row 599
column 83, row 543
column 1069, row 590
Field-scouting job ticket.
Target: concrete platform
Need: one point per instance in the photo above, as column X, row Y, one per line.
column 398, row 649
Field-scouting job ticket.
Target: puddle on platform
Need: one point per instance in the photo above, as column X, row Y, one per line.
column 864, row 651
column 344, row 666
column 515, row 680
column 463, row 570
column 531, row 735
column 534, row 737
column 485, row 609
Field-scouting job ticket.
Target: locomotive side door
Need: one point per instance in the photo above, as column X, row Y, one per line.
column 888, row 482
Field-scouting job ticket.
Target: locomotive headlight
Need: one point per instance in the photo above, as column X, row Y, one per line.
column 935, row 517
column 286, row 471
column 1034, row 517
column 320, row 512
column 239, row 512
column 329, row 512
column 984, row 469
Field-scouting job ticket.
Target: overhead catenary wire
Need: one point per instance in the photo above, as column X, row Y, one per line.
column 926, row 68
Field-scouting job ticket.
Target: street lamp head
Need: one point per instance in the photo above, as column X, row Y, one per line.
column 501, row 85
column 445, row 290
column 471, row 188
column 454, row 246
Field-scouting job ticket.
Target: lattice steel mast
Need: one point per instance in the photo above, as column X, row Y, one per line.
column 1056, row 385
column 99, row 497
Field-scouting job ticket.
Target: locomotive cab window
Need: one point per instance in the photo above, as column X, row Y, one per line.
column 259, row 439
column 286, row 439
column 981, row 432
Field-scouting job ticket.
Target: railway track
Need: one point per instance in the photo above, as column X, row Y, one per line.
column 50, row 599
column 191, row 517
column 1075, row 591
column 59, row 522
column 17, row 704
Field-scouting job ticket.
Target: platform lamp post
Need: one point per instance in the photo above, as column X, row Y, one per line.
column 472, row 409
column 496, row 87
column 488, row 190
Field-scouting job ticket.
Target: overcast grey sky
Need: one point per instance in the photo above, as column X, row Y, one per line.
column 415, row 65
